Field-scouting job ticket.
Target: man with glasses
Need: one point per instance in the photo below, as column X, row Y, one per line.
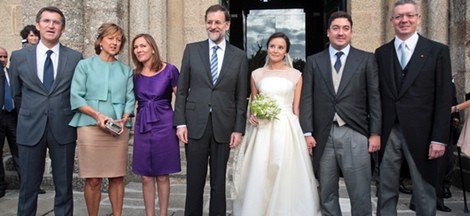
column 416, row 94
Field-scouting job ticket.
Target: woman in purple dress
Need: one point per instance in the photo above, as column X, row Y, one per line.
column 156, row 150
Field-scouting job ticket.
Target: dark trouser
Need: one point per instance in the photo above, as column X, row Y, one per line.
column 346, row 151
column 199, row 153
column 8, row 122
column 32, row 160
column 424, row 194
column 445, row 169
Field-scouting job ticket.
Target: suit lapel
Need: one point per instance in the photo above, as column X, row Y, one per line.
column 389, row 69
column 62, row 62
column 324, row 64
column 31, row 59
column 227, row 56
column 415, row 64
column 204, row 55
column 352, row 62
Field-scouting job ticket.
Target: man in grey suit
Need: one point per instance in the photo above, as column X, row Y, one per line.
column 416, row 90
column 41, row 77
column 210, row 110
column 340, row 115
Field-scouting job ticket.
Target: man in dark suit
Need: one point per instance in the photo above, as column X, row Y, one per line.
column 41, row 77
column 210, row 110
column 8, row 118
column 416, row 91
column 340, row 115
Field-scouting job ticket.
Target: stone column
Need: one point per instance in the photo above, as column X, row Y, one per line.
column 367, row 35
column 158, row 26
column 138, row 17
column 456, row 43
column 437, row 20
column 97, row 12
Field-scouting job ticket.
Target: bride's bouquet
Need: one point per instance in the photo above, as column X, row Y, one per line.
column 264, row 107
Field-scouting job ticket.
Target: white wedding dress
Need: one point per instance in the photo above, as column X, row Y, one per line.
column 273, row 172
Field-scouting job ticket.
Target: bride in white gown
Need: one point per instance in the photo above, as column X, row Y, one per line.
column 273, row 171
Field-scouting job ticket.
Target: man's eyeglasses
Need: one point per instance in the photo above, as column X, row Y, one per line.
column 401, row 16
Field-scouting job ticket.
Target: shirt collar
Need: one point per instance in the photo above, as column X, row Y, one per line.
column 333, row 51
column 221, row 45
column 43, row 49
column 410, row 42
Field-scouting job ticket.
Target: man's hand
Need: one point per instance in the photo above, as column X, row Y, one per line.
column 436, row 151
column 235, row 139
column 311, row 143
column 182, row 134
column 374, row 143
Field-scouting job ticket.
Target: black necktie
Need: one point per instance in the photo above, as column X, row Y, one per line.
column 338, row 61
column 48, row 78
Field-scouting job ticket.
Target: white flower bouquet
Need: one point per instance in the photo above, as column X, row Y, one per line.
column 264, row 107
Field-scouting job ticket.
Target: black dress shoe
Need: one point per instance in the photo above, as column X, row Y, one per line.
column 412, row 206
column 447, row 193
column 443, row 208
column 41, row 191
column 2, row 194
column 404, row 189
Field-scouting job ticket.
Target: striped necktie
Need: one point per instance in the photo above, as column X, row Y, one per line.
column 214, row 64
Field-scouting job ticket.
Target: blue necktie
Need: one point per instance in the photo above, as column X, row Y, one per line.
column 48, row 78
column 7, row 103
column 214, row 63
column 338, row 61
column 404, row 55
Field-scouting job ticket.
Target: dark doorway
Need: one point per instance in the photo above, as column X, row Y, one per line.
column 315, row 15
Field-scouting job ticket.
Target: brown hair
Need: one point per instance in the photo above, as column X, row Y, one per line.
column 108, row 29
column 157, row 63
column 215, row 8
column 51, row 9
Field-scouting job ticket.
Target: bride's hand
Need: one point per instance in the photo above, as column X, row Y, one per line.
column 253, row 120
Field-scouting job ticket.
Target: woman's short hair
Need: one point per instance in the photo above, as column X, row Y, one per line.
column 108, row 29
column 28, row 29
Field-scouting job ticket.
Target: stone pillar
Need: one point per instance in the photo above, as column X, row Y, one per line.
column 367, row 35
column 175, row 37
column 437, row 20
column 138, row 17
column 158, row 27
column 97, row 12
column 456, row 43
column 467, row 41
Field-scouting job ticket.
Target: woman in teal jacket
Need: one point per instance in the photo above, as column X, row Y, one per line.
column 101, row 91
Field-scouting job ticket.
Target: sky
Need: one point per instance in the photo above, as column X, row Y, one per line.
column 260, row 24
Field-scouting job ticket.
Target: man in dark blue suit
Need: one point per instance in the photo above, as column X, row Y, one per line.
column 7, row 119
column 41, row 79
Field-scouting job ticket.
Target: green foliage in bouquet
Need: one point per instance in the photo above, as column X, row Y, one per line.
column 264, row 107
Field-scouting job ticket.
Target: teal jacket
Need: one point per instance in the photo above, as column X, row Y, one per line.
column 105, row 86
